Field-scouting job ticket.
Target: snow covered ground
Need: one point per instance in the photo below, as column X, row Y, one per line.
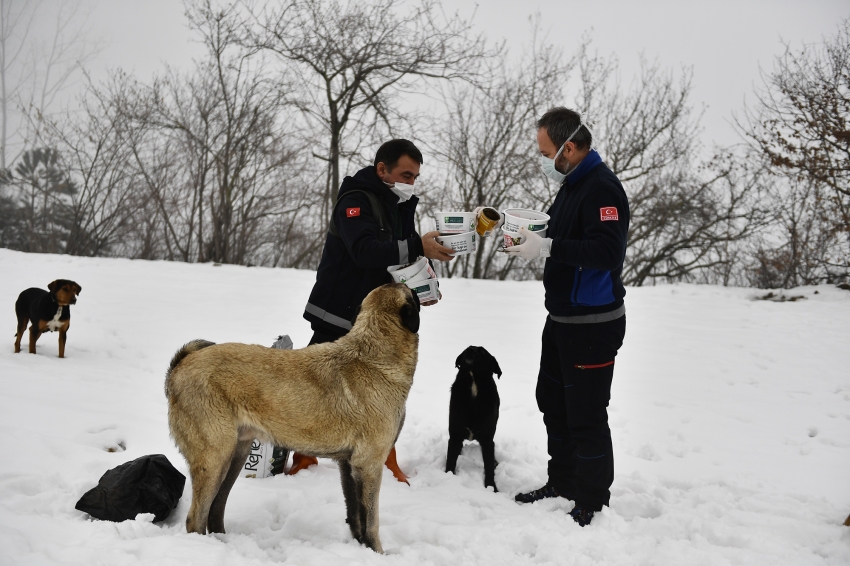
column 730, row 416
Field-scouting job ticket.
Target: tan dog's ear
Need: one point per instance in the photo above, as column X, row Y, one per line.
column 53, row 285
column 78, row 289
column 410, row 313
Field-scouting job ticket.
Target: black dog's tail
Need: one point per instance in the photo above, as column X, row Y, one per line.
column 184, row 351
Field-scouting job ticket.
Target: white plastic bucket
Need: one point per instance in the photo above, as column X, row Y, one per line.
column 511, row 238
column 515, row 239
column 416, row 271
column 534, row 221
column 428, row 290
column 462, row 244
column 455, row 222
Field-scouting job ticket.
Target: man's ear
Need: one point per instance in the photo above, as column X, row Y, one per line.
column 382, row 170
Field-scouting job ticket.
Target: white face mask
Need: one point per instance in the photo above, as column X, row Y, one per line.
column 403, row 191
column 548, row 164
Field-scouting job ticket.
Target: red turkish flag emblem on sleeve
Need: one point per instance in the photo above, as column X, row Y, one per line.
column 349, row 212
column 608, row 213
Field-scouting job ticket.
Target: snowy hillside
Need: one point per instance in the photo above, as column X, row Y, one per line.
column 730, row 417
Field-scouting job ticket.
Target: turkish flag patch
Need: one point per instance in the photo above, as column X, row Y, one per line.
column 608, row 213
column 350, row 212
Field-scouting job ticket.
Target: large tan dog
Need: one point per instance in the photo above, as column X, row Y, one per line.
column 343, row 400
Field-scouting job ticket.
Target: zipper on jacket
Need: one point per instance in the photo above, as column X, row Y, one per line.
column 576, row 286
column 594, row 366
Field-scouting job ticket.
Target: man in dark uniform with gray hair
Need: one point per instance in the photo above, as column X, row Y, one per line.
column 584, row 252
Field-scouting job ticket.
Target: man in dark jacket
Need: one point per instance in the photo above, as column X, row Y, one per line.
column 372, row 228
column 584, row 329
column 367, row 241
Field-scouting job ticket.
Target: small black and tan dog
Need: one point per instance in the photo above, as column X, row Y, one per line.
column 47, row 311
column 474, row 408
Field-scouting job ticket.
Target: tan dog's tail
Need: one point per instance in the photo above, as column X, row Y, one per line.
column 184, row 351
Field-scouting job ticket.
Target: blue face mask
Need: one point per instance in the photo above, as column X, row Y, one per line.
column 548, row 164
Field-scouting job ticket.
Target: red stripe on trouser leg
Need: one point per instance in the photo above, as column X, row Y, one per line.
column 595, row 366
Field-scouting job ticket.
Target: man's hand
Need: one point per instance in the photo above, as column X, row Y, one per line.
column 532, row 246
column 435, row 250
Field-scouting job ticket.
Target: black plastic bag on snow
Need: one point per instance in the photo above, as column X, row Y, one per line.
column 149, row 484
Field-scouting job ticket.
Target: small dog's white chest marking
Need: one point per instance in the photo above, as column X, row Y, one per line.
column 54, row 324
column 474, row 389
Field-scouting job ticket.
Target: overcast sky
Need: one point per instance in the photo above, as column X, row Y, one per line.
column 723, row 41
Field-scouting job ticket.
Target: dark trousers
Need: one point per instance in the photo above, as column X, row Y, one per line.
column 573, row 390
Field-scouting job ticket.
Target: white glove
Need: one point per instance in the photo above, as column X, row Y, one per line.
column 498, row 224
column 533, row 246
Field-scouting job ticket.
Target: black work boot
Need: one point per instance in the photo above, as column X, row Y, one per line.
column 581, row 515
column 544, row 492
column 278, row 461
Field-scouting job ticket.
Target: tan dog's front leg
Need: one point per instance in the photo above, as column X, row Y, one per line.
column 215, row 521
column 350, row 491
column 369, row 479
column 209, row 468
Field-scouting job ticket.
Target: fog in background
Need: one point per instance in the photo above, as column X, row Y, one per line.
column 725, row 42
column 211, row 131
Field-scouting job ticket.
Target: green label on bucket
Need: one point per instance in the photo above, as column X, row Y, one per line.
column 453, row 219
column 423, row 289
column 536, row 227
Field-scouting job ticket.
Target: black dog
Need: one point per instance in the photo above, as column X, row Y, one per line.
column 47, row 311
column 474, row 408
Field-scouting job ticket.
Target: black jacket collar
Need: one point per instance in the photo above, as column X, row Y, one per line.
column 367, row 179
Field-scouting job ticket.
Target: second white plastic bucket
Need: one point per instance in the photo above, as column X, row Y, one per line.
column 418, row 270
column 515, row 218
column 455, row 222
column 427, row 291
column 462, row 244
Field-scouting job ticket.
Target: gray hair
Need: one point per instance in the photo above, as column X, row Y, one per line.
column 560, row 122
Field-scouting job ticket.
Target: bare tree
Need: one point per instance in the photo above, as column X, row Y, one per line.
column 107, row 187
column 642, row 128
column 800, row 125
column 353, row 58
column 42, row 187
column 210, row 147
column 687, row 223
column 16, row 20
column 36, row 67
column 486, row 139
column 800, row 246
column 685, row 216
